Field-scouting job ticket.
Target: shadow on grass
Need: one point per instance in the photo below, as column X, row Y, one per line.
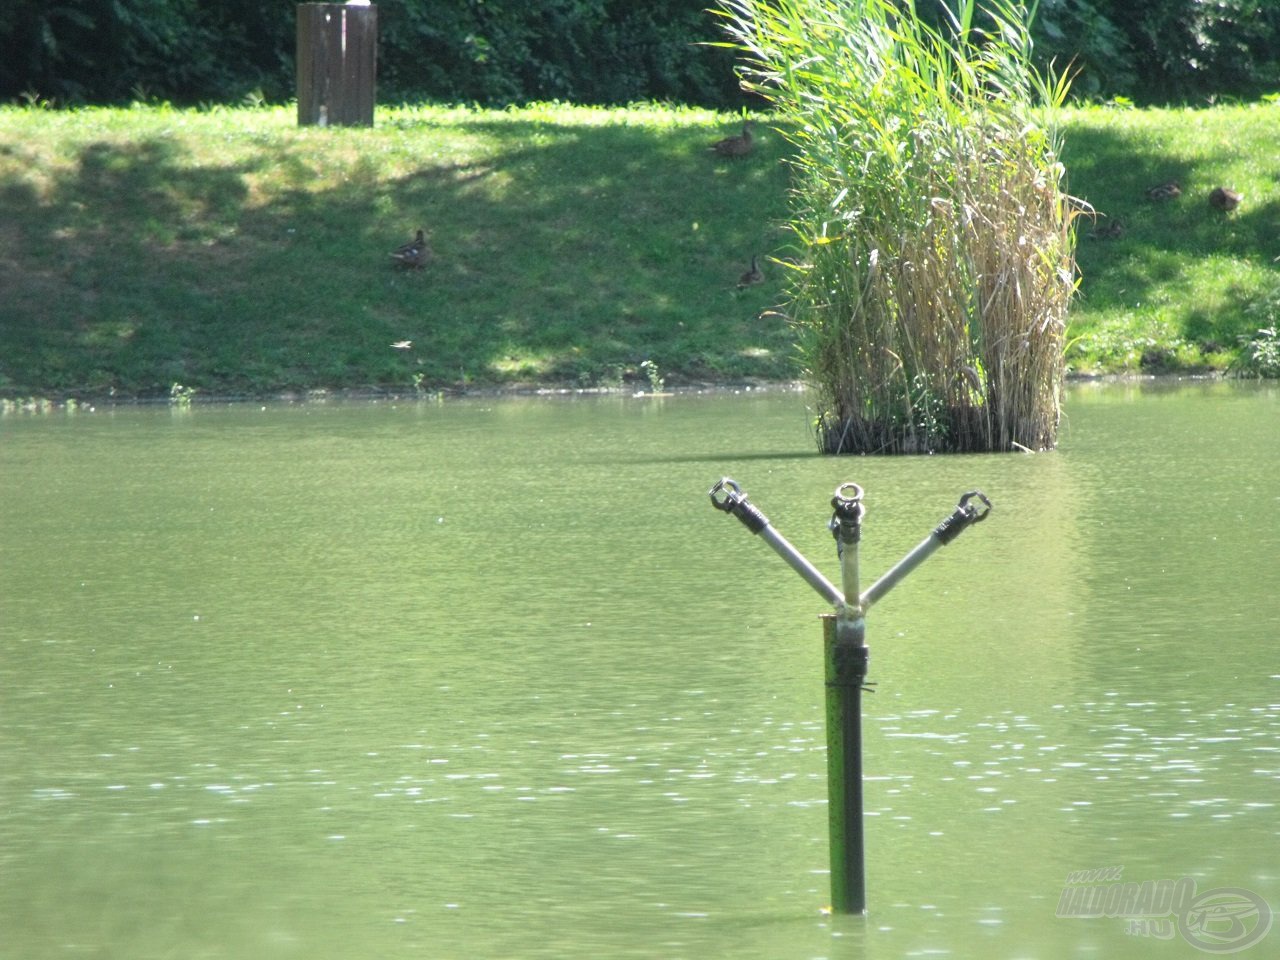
column 572, row 252
column 565, row 251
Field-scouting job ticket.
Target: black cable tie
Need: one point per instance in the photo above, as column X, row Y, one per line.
column 849, row 662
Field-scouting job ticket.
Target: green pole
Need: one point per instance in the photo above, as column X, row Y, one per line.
column 846, row 656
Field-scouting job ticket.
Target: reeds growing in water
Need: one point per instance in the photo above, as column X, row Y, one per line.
column 938, row 246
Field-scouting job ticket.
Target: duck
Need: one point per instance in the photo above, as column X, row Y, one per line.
column 1224, row 198
column 414, row 254
column 736, row 146
column 1112, row 230
column 753, row 276
column 1166, row 191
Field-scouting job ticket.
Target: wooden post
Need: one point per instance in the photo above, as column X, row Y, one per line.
column 337, row 63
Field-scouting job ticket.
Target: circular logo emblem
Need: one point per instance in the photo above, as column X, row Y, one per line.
column 1225, row 920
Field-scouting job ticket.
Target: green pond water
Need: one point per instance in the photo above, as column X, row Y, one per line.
column 491, row 678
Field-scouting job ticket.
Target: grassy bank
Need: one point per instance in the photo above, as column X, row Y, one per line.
column 233, row 253
column 1183, row 283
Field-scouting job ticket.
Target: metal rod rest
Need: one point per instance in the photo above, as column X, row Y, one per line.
column 964, row 515
column 846, row 527
column 846, row 657
column 811, row 574
column 894, row 576
column 726, row 495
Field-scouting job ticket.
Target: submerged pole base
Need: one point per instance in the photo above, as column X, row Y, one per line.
column 846, row 658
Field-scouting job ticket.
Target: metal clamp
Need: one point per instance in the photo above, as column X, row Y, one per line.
column 965, row 514
column 735, row 502
column 724, row 483
column 849, row 666
column 846, row 522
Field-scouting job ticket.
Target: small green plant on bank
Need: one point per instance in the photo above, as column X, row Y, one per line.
column 181, row 396
column 1261, row 355
column 9, row 406
column 611, row 379
column 1260, row 349
column 650, row 371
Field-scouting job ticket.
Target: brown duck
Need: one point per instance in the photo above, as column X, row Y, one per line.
column 753, row 276
column 1166, row 191
column 414, row 254
column 737, row 146
column 1111, row 230
column 1224, row 198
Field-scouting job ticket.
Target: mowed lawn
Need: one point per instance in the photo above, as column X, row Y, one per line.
column 232, row 252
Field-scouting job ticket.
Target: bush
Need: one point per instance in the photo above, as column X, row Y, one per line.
column 1078, row 35
column 934, row 236
column 1192, row 49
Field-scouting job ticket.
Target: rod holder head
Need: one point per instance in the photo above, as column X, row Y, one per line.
column 965, row 514
column 726, row 495
column 846, row 521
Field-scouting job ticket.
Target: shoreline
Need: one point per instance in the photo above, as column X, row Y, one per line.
column 549, row 391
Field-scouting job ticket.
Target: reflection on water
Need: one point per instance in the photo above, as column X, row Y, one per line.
column 491, row 678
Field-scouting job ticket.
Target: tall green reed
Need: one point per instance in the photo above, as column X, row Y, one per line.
column 927, row 197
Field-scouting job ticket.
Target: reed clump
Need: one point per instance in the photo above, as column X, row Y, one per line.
column 937, row 243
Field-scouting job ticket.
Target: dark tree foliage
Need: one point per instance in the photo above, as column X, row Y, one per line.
column 496, row 52
column 1077, row 36
column 482, row 51
column 1156, row 51
column 587, row 51
column 110, row 50
column 1189, row 49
